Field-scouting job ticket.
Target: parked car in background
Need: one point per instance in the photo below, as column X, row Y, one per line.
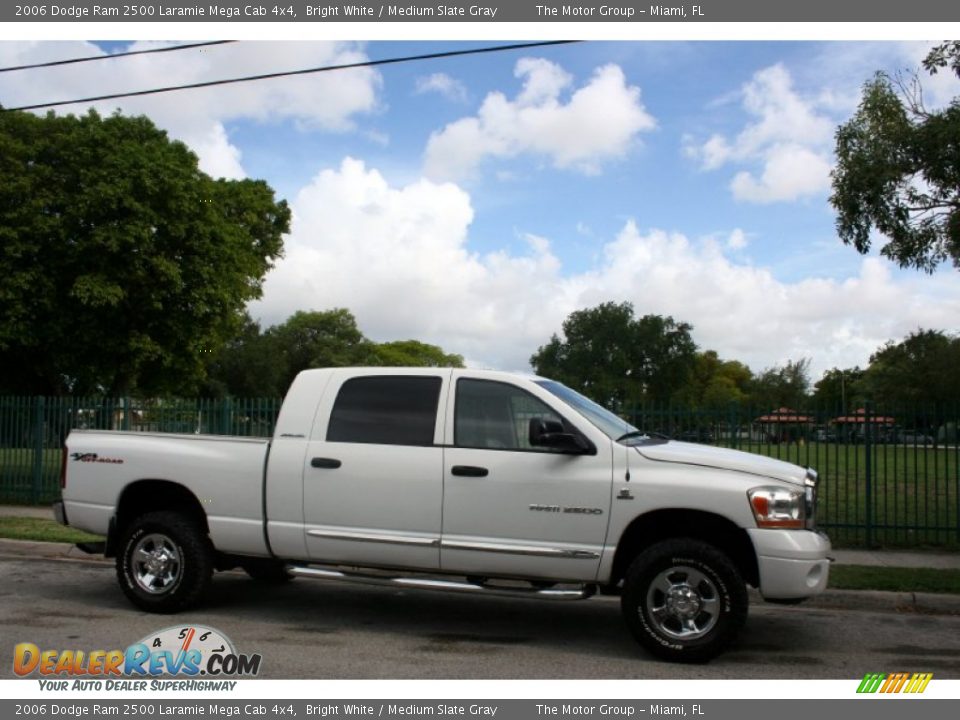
column 825, row 435
column 914, row 437
column 696, row 435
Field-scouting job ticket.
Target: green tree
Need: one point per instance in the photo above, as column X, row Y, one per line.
column 617, row 359
column 840, row 391
column 715, row 383
column 919, row 371
column 123, row 266
column 317, row 339
column 782, row 386
column 246, row 366
column 898, row 170
column 413, row 353
column 263, row 364
column 944, row 55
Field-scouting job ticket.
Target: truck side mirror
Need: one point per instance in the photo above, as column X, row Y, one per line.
column 551, row 434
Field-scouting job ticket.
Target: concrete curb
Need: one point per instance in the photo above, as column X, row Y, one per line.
column 874, row 601
column 864, row 600
column 46, row 550
column 883, row 601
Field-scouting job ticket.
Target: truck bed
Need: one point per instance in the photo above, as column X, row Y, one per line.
column 225, row 472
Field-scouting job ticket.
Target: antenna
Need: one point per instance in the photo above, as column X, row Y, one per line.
column 626, row 449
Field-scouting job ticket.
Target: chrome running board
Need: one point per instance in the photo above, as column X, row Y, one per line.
column 581, row 592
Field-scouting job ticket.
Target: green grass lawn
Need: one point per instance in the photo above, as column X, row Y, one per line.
column 17, row 467
column 914, row 491
column 27, row 528
column 862, row 577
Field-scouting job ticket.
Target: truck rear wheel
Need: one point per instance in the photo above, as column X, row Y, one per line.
column 684, row 600
column 165, row 562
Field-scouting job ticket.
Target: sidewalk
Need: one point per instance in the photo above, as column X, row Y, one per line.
column 34, row 511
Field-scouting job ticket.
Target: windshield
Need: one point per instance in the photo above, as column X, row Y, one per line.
column 614, row 427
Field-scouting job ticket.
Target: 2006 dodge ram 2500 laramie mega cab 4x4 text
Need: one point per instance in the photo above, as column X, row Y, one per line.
column 461, row 480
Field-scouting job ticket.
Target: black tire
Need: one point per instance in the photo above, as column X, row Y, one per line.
column 684, row 600
column 266, row 571
column 165, row 562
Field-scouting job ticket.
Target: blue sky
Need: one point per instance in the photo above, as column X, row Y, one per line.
column 474, row 202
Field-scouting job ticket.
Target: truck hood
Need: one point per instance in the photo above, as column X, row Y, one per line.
column 724, row 459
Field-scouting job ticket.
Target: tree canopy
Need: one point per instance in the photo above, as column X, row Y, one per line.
column 920, row 370
column 618, row 359
column 715, row 382
column 841, row 390
column 782, row 386
column 263, row 363
column 123, row 266
column 898, row 170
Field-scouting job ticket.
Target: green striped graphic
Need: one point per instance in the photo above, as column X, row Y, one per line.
column 871, row 682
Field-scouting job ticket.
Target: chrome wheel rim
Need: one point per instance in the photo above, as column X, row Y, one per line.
column 683, row 603
column 156, row 563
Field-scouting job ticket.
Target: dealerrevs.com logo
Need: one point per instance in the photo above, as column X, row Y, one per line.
column 192, row 651
column 894, row 682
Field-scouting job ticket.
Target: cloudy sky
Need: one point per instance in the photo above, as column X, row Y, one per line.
column 474, row 202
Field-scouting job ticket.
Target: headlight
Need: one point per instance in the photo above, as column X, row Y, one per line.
column 778, row 507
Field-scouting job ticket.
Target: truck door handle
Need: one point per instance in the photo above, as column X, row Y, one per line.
column 469, row 471
column 329, row 463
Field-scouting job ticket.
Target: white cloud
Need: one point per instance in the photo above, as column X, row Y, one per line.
column 218, row 157
column 441, row 83
column 400, row 259
column 789, row 172
column 327, row 101
column 788, row 138
column 737, row 240
column 598, row 123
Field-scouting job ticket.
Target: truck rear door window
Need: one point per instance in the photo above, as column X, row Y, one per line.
column 385, row 411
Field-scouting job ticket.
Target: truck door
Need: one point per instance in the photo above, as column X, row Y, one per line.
column 373, row 472
column 514, row 509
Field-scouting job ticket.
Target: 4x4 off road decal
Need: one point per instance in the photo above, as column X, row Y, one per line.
column 93, row 457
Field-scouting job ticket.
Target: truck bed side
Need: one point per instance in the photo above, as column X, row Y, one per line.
column 224, row 474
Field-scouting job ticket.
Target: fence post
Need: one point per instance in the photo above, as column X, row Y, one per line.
column 126, row 413
column 225, row 412
column 868, row 472
column 38, row 410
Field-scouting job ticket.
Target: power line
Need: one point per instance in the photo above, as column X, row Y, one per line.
column 70, row 61
column 288, row 73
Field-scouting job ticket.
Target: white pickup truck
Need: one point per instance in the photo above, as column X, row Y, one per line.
column 460, row 480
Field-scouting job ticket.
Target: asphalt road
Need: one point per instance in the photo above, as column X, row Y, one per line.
column 319, row 629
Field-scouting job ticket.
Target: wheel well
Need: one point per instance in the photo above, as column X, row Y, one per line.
column 670, row 523
column 148, row 496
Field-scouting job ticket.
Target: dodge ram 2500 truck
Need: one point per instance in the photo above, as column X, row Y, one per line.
column 459, row 480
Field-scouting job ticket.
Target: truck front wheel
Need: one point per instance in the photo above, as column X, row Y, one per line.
column 165, row 562
column 684, row 600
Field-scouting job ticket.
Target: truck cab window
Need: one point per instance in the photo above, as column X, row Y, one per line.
column 496, row 416
column 385, row 411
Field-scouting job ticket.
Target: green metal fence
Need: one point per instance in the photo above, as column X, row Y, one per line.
column 889, row 477
column 32, row 431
